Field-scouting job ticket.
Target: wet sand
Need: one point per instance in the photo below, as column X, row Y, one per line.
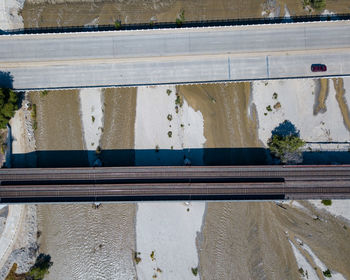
column 321, row 95
column 249, row 241
column 117, row 141
column 344, row 108
column 102, row 239
column 230, row 123
column 58, row 135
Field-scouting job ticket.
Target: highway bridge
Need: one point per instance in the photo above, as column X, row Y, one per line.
column 175, row 56
column 174, row 183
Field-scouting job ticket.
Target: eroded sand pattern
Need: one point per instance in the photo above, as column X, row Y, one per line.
column 87, row 243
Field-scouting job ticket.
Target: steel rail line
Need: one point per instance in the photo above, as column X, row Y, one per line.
column 174, row 183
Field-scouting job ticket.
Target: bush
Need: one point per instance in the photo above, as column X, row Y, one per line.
column 44, row 93
column 41, row 267
column 118, row 24
column 327, row 273
column 283, row 146
column 318, row 4
column 327, row 202
column 8, row 105
column 194, row 270
column 180, row 19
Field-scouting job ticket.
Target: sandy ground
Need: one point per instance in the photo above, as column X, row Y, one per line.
column 169, row 230
column 259, row 246
column 163, row 134
column 91, row 108
column 296, row 99
column 162, row 227
column 339, row 208
column 65, row 12
column 9, row 14
column 87, row 243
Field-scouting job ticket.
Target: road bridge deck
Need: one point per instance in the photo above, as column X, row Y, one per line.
column 193, row 55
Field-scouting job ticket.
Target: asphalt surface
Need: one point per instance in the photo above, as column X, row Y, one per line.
column 170, row 56
column 174, row 183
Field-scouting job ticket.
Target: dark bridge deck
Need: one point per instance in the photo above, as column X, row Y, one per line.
column 174, row 183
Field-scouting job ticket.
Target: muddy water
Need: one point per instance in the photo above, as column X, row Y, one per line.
column 117, row 141
column 87, row 243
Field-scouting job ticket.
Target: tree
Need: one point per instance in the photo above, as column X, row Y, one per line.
column 284, row 147
column 8, row 105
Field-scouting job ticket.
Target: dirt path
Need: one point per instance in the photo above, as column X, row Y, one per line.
column 321, row 96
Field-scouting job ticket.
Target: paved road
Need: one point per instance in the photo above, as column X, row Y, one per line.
column 175, row 55
column 174, row 183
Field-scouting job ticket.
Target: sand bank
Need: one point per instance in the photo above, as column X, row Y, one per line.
column 168, row 230
column 164, row 133
column 10, row 17
column 91, row 109
column 339, row 207
column 293, row 100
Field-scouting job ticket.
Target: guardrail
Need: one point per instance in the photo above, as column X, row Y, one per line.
column 188, row 24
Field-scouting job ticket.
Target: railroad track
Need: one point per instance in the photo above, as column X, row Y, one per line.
column 174, row 183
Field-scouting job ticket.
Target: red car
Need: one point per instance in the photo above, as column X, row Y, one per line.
column 318, row 68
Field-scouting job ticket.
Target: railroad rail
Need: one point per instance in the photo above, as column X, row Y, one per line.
column 174, row 183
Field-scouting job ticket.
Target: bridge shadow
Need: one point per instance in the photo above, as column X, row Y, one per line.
column 162, row 25
column 167, row 157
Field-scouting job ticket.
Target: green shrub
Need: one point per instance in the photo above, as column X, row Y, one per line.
column 327, row 202
column 8, row 105
column 41, row 267
column 44, row 93
column 118, row 24
column 281, row 146
column 180, row 19
column 194, row 270
column 327, row 273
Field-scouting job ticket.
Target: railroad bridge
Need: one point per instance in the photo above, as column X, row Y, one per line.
column 40, row 185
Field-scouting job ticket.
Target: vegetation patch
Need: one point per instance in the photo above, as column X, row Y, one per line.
column 170, row 134
column 268, row 108
column 8, row 105
column 168, row 91
column 118, row 24
column 283, row 146
column 315, row 4
column 194, row 270
column 327, row 202
column 180, row 19
column 152, row 255
column 33, row 116
column 327, row 273
column 136, row 256
column 274, row 95
column 44, row 93
column 169, row 117
column 37, row 271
